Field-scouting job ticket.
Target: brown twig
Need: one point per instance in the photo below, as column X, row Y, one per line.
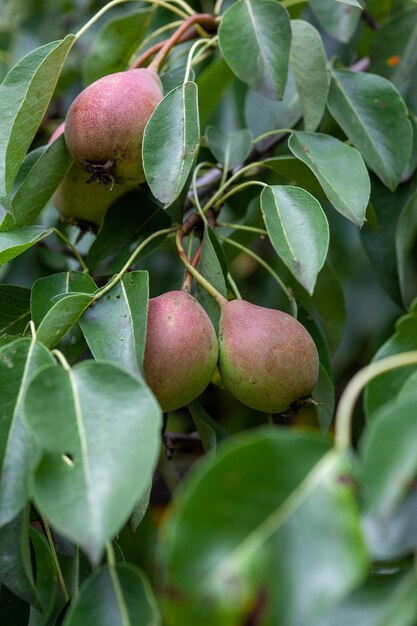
column 189, row 34
column 188, row 278
column 205, row 19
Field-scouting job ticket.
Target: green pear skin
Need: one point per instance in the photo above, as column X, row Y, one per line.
column 267, row 358
column 78, row 200
column 181, row 349
column 106, row 122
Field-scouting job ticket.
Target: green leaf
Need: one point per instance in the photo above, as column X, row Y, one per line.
column 24, row 97
column 255, row 40
column 379, row 233
column 115, row 43
column 210, row 431
column 105, row 434
column 15, row 564
column 309, row 64
column 329, row 300
column 15, row 242
column 385, row 387
column 373, row 115
column 296, row 172
column 298, row 229
column 388, row 472
column 229, row 148
column 115, row 326
column 353, row 3
column 46, row 578
column 339, row 21
column 170, row 143
column 393, row 52
column 140, row 508
column 324, row 396
column 263, row 115
column 112, row 596
column 335, row 165
column 219, row 74
column 123, row 229
column 212, row 266
column 405, row 244
column 61, row 317
column 19, row 361
column 40, row 183
column 45, row 289
column 14, row 309
column 386, row 599
column 243, row 524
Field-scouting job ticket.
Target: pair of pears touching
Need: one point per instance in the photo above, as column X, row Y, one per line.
column 266, row 358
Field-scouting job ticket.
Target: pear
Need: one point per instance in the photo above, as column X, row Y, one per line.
column 105, row 124
column 181, row 349
column 267, row 360
column 79, row 201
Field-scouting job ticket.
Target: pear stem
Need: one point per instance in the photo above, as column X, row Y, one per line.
column 166, row 5
column 233, row 286
column 191, row 33
column 355, row 386
column 204, row 44
column 74, row 250
column 221, row 300
column 201, row 18
column 231, row 192
column 269, row 269
column 271, row 133
column 188, row 279
column 119, row 275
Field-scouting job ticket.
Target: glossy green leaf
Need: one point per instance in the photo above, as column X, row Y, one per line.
column 373, row 115
column 114, row 596
column 40, row 183
column 115, row 43
column 386, row 599
column 405, row 243
column 61, row 317
column 212, row 266
column 339, row 20
column 14, row 309
column 170, row 143
column 263, row 115
column 309, row 64
column 229, row 148
column 15, row 242
column 335, row 165
column 45, row 289
column 15, row 565
column 243, row 523
column 298, row 229
column 100, row 455
column 255, row 40
column 24, row 97
column 385, row 387
column 353, row 3
column 296, row 172
column 127, row 223
column 115, row 326
column 19, row 361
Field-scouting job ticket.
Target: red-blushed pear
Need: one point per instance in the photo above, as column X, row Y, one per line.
column 105, row 124
column 267, row 360
column 79, row 201
column 181, row 349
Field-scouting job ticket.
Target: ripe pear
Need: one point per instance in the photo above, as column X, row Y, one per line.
column 181, row 349
column 105, row 124
column 79, row 201
column 268, row 360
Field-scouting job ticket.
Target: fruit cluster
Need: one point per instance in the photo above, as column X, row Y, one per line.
column 267, row 359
